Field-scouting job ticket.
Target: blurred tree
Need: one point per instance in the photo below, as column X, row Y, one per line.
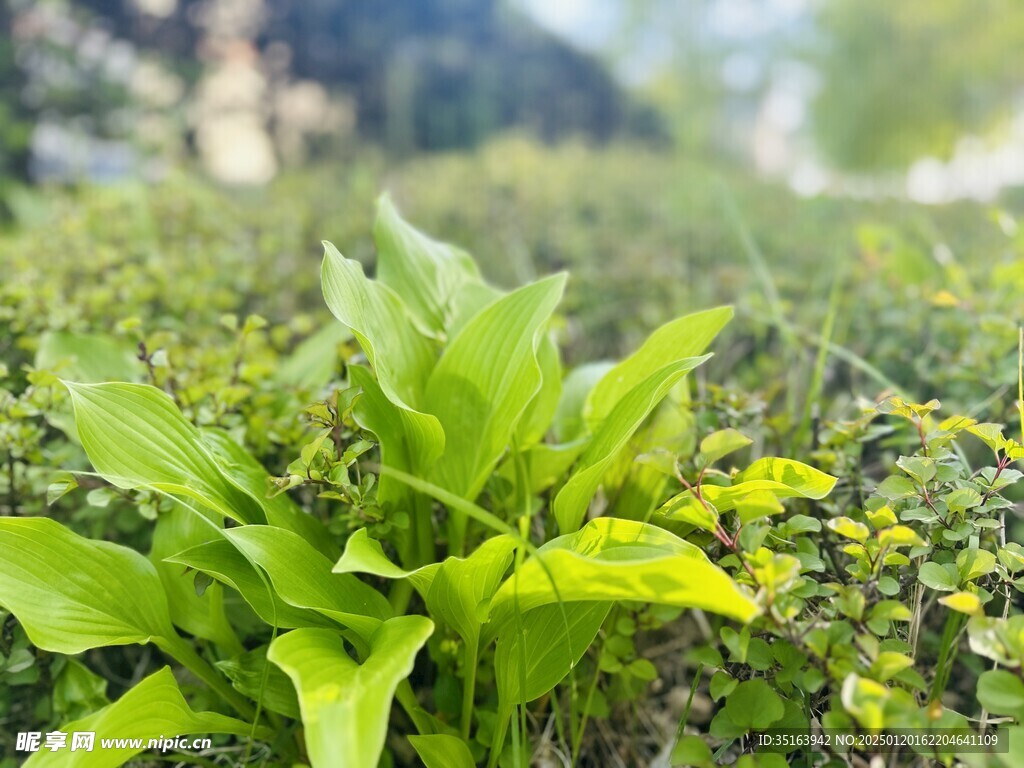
column 15, row 120
column 430, row 74
column 906, row 79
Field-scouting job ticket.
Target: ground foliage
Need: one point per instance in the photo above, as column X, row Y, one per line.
column 437, row 495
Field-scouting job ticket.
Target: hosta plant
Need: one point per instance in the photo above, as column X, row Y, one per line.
column 492, row 527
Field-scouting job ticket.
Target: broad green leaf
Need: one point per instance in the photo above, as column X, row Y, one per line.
column 248, row 475
column 424, row 272
column 462, row 587
column 548, row 649
column 546, row 464
column 86, row 357
column 719, row 444
column 484, row 382
column 456, row 591
column 302, row 577
column 77, row 689
column 199, row 615
column 224, row 562
column 625, row 418
column 408, row 441
column 684, row 337
column 315, row 360
column 401, row 356
column 441, row 750
column 71, row 593
column 136, row 437
column 346, row 706
column 568, row 424
column 1001, row 640
column 152, row 709
column 541, row 410
column 365, row 555
column 613, row 559
column 246, row 672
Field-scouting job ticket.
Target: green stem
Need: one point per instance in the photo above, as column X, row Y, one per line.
column 500, row 729
column 469, row 685
column 947, row 652
column 184, row 654
column 577, row 742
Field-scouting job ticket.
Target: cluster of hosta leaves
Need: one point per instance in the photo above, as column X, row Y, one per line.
column 516, row 520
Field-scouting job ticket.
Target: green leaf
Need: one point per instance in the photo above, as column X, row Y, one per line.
column 719, row 444
column 424, row 272
column 152, row 709
column 938, row 577
column 899, row 536
column 1001, row 693
column 851, row 529
column 409, row 441
column 625, row 418
column 990, row 434
column 86, row 357
column 963, row 499
column 241, row 468
column 302, row 577
column 964, row 602
column 202, row 616
column 692, row 751
column 365, row 555
column 315, row 360
column 684, row 337
column 246, row 672
column 224, row 562
column 568, row 423
column 541, row 410
column 754, row 705
column 136, row 437
column 462, row 588
column 550, row 641
column 783, row 478
column 71, row 593
column 441, row 750
column 920, row 468
column 456, row 591
column 77, row 690
column 346, row 706
column 401, row 356
column 974, row 562
column 484, row 382
column 888, row 664
column 612, row 559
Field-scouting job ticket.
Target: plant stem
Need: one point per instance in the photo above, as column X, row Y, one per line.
column 469, row 685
